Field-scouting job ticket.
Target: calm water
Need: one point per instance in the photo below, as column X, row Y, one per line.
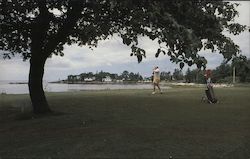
column 5, row 87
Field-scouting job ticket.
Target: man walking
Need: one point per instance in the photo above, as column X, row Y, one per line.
column 156, row 79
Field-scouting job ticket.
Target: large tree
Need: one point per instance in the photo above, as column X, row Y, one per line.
column 37, row 29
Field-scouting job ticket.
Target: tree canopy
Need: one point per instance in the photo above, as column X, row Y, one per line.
column 182, row 28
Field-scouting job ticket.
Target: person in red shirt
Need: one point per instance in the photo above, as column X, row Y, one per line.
column 210, row 91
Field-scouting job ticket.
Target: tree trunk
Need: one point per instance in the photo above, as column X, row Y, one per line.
column 38, row 99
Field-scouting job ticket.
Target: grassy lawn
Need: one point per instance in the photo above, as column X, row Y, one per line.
column 129, row 124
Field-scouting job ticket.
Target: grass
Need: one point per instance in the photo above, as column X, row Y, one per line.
column 129, row 124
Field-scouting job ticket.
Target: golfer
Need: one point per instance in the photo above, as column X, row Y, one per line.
column 156, row 79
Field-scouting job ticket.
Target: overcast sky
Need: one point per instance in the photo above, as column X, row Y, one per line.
column 112, row 56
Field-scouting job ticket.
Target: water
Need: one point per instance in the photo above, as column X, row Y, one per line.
column 5, row 87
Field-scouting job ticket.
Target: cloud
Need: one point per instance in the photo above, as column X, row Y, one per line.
column 14, row 69
column 58, row 63
column 243, row 40
column 244, row 12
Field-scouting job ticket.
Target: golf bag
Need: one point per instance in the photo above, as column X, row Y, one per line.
column 210, row 95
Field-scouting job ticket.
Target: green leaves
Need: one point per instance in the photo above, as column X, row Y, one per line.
column 126, row 40
column 209, row 45
column 138, row 52
column 157, row 53
column 236, row 28
column 182, row 65
column 200, row 62
column 190, row 63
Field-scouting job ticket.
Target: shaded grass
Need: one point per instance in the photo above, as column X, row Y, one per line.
column 129, row 123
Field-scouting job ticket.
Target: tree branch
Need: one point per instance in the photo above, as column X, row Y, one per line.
column 73, row 15
column 40, row 28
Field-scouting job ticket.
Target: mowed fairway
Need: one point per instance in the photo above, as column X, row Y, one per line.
column 129, row 124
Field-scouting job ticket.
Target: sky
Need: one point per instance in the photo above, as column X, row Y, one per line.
column 114, row 57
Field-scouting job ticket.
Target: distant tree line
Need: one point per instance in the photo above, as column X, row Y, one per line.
column 221, row 74
column 100, row 76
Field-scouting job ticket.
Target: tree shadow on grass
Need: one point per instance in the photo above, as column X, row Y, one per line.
column 30, row 115
column 9, row 113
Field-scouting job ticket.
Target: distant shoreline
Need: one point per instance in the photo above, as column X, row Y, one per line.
column 131, row 83
column 81, row 82
column 18, row 82
column 97, row 82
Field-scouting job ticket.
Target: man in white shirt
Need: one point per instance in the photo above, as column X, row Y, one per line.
column 156, row 79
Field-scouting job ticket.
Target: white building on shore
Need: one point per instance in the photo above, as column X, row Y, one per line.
column 107, row 79
column 89, row 79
